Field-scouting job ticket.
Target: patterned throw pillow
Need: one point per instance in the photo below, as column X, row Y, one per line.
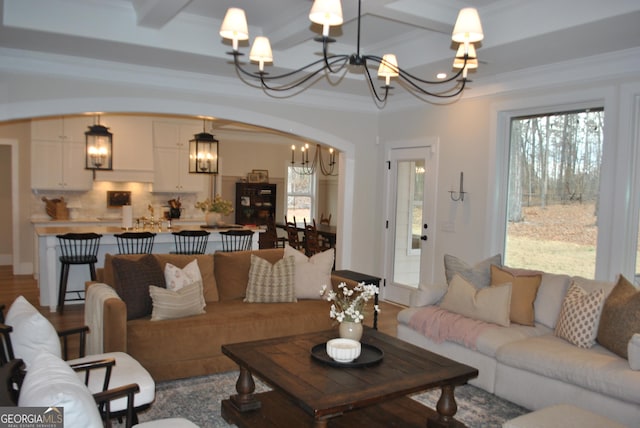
column 132, row 280
column 579, row 316
column 271, row 283
column 620, row 317
column 169, row 304
column 177, row 278
column 479, row 275
column 523, row 292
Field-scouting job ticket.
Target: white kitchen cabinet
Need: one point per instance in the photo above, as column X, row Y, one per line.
column 58, row 155
column 171, row 157
column 132, row 142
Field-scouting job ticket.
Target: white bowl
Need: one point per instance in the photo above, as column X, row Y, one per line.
column 343, row 350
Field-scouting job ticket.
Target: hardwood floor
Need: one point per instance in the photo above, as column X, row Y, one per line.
column 12, row 286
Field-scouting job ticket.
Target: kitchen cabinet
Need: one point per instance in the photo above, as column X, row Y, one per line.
column 171, row 157
column 58, row 155
column 255, row 202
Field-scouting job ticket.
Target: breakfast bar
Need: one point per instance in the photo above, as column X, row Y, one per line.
column 49, row 252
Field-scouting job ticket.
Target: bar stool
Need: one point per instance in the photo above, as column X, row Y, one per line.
column 76, row 249
column 190, row 241
column 236, row 240
column 135, row 242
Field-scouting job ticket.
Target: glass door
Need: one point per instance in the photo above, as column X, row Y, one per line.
column 410, row 203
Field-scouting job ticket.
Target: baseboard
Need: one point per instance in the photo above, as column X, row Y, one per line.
column 23, row 269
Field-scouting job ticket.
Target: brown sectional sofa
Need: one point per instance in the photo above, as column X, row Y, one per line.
column 191, row 346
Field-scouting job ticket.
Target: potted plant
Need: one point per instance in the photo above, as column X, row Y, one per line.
column 214, row 209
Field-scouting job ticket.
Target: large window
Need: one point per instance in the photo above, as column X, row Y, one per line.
column 554, row 178
column 301, row 189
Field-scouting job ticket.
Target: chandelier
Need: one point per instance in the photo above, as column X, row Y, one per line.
column 328, row 13
column 309, row 167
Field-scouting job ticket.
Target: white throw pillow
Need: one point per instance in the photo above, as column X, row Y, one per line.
column 50, row 382
column 169, row 304
column 579, row 316
column 490, row 304
column 633, row 352
column 311, row 273
column 32, row 332
column 176, row 278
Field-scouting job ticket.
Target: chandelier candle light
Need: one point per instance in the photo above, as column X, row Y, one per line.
column 328, row 13
column 309, row 167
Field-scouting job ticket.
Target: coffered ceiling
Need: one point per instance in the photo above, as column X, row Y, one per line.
column 182, row 35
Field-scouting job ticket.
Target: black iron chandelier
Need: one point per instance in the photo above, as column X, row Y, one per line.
column 466, row 32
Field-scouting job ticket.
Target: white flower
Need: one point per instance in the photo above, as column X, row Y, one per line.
column 349, row 304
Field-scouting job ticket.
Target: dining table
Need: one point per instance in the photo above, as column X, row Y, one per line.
column 327, row 231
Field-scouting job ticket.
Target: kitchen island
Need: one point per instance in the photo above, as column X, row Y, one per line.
column 48, row 275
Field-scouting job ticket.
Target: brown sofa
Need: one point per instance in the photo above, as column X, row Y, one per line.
column 191, row 346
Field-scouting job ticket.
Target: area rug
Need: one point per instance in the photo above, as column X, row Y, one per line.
column 198, row 399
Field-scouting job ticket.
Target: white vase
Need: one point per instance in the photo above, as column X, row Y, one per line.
column 212, row 218
column 350, row 330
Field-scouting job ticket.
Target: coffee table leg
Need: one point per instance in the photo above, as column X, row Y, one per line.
column 446, row 408
column 244, row 400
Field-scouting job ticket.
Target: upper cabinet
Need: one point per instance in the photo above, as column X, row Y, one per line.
column 57, row 155
column 132, row 149
column 171, row 156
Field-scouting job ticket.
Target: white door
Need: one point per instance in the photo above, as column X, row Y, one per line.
column 410, row 221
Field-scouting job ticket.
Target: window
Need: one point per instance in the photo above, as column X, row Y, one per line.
column 552, row 201
column 301, row 191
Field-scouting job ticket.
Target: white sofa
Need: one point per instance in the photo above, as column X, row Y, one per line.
column 530, row 365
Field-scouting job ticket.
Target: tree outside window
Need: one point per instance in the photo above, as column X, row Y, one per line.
column 554, row 178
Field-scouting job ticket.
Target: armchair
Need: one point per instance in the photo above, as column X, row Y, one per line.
column 27, row 333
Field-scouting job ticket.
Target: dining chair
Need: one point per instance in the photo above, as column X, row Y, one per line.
column 325, row 220
column 135, row 242
column 190, row 241
column 293, row 238
column 236, row 240
column 76, row 249
column 269, row 238
column 311, row 239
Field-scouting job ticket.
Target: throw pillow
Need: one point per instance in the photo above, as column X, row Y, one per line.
column 310, row 273
column 579, row 316
column 484, row 304
column 553, row 288
column 205, row 263
column 524, row 287
column 633, row 351
column 32, row 332
column 270, row 283
column 620, row 317
column 176, row 278
column 132, row 280
column 478, row 275
column 51, row 383
column 169, row 304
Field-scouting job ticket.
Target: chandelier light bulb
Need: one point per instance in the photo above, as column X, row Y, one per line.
column 234, row 26
column 388, row 68
column 326, row 13
column 468, row 28
column 261, row 51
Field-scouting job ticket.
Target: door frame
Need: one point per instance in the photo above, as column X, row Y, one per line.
column 15, row 202
column 433, row 144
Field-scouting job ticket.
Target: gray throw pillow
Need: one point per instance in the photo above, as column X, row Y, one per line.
column 271, row 283
column 479, row 275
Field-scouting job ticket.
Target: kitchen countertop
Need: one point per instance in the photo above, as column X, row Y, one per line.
column 111, row 230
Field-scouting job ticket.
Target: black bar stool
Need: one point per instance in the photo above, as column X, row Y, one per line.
column 191, row 241
column 76, row 249
column 236, row 240
column 135, row 242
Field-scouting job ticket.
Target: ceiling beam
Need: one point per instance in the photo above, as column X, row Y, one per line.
column 157, row 13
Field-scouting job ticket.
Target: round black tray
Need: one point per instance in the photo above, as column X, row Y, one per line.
column 369, row 355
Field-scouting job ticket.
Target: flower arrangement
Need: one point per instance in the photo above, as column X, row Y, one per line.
column 349, row 303
column 217, row 205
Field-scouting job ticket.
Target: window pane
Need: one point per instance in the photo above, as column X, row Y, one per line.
column 300, row 194
column 299, row 207
column 554, row 174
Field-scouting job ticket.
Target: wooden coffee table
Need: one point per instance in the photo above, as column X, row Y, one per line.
column 311, row 393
